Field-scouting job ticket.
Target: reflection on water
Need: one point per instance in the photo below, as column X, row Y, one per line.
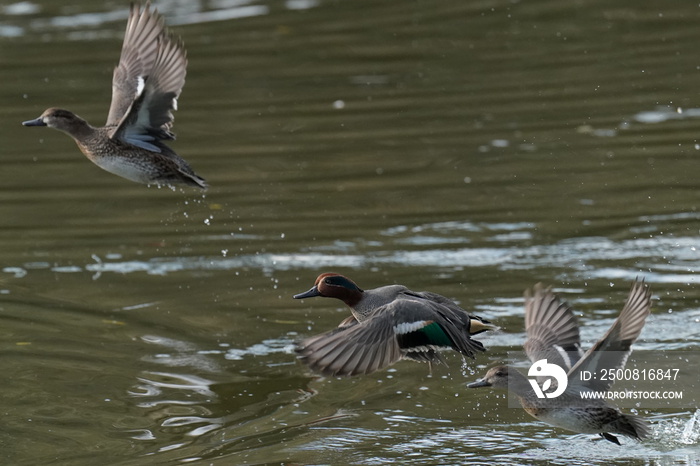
column 472, row 149
column 436, row 245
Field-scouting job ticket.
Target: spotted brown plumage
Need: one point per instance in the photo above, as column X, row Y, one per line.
column 553, row 335
column 145, row 87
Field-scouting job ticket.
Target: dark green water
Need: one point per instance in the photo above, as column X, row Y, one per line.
column 467, row 148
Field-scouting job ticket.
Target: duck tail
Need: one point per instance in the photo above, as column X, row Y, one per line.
column 478, row 325
column 195, row 180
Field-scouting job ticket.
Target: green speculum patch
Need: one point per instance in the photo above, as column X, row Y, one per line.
column 436, row 335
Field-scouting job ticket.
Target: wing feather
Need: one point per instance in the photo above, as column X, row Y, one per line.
column 152, row 84
column 138, row 55
column 614, row 348
column 551, row 329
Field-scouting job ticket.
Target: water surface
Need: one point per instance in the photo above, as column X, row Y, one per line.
column 467, row 148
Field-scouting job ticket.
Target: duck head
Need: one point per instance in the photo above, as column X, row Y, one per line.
column 496, row 377
column 58, row 118
column 333, row 285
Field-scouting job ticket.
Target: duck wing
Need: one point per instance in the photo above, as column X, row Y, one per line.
column 614, row 348
column 434, row 297
column 428, row 326
column 352, row 348
column 147, row 82
column 478, row 324
column 552, row 331
column 139, row 51
column 404, row 328
column 347, row 322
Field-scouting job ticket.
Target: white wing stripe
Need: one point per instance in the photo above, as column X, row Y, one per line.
column 408, row 327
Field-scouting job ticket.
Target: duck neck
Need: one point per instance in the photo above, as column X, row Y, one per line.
column 519, row 384
column 79, row 129
column 358, row 305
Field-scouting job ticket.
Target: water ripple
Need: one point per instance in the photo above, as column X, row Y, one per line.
column 656, row 256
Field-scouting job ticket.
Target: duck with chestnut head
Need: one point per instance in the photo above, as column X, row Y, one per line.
column 387, row 324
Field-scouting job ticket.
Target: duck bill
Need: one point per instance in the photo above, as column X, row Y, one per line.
column 308, row 294
column 38, row 122
column 478, row 384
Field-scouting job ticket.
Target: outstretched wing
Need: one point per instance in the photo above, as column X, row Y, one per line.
column 408, row 328
column 613, row 349
column 352, row 348
column 148, row 118
column 139, row 51
column 552, row 332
